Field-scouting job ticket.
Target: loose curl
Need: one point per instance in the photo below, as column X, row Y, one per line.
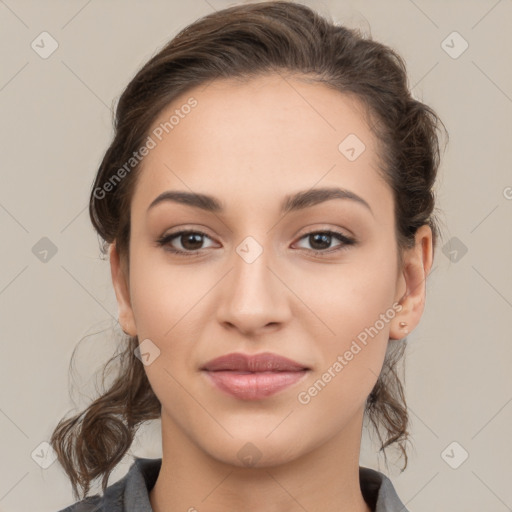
column 243, row 42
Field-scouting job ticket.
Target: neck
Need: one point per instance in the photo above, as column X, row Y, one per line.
column 325, row 479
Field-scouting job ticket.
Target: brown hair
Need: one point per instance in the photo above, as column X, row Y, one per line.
column 242, row 42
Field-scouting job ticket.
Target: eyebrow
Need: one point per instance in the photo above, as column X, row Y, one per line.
column 294, row 202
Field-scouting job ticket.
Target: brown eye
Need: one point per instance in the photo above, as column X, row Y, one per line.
column 320, row 241
column 190, row 242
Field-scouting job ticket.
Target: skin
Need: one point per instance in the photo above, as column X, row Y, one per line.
column 250, row 145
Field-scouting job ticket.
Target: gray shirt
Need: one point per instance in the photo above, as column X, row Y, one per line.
column 131, row 493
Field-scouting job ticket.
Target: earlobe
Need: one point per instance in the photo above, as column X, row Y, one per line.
column 416, row 267
column 121, row 288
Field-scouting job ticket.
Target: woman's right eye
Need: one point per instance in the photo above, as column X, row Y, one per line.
column 189, row 241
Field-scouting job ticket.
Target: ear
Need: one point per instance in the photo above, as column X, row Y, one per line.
column 121, row 286
column 411, row 284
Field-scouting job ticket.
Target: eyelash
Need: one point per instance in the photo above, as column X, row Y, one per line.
column 346, row 241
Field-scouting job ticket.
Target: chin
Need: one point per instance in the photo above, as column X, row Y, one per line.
column 255, row 450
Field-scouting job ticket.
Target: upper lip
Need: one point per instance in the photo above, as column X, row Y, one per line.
column 265, row 362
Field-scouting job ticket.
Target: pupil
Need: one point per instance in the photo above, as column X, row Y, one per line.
column 322, row 237
column 190, row 239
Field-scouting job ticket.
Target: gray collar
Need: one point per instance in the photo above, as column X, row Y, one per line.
column 131, row 493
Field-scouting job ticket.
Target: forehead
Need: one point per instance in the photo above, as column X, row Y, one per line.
column 259, row 139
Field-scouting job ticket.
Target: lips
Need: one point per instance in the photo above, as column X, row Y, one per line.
column 253, row 377
column 265, row 362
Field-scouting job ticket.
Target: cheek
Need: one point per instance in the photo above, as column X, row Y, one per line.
column 168, row 303
column 162, row 294
column 355, row 305
column 351, row 296
column 358, row 309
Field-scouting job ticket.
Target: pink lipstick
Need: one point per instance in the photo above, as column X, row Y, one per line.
column 253, row 377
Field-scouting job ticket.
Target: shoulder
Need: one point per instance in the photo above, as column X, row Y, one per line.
column 111, row 500
column 91, row 504
column 379, row 492
column 129, row 493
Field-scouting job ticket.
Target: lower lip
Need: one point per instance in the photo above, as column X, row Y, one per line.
column 254, row 386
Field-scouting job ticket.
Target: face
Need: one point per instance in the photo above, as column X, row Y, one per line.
column 316, row 282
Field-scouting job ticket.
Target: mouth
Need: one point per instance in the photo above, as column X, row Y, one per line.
column 253, row 377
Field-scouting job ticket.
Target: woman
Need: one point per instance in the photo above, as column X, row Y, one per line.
column 267, row 207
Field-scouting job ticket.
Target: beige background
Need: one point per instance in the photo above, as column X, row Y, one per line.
column 56, row 124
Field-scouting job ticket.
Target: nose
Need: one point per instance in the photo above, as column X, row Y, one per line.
column 253, row 297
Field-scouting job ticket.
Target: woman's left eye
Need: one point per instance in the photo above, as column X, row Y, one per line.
column 191, row 240
column 323, row 238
